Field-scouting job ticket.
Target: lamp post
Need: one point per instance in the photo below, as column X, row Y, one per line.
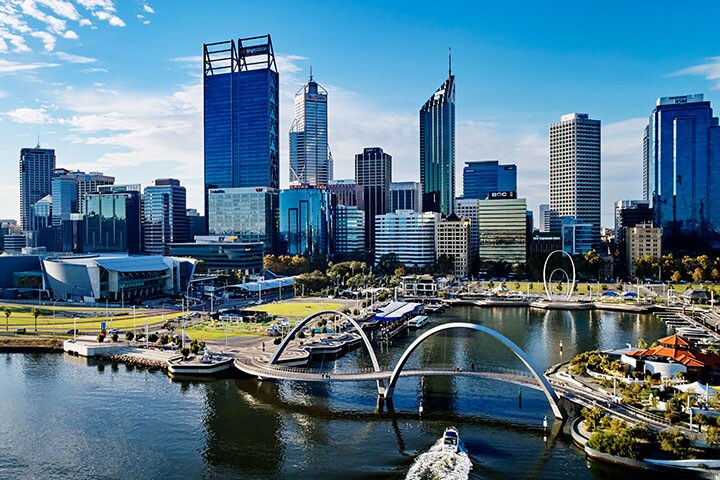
column 134, row 323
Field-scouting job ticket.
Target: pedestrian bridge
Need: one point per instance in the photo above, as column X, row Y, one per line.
column 386, row 379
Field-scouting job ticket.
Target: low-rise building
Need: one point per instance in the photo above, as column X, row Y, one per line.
column 223, row 253
column 452, row 238
column 409, row 235
column 502, row 230
column 642, row 240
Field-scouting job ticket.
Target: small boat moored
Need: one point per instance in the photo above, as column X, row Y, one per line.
column 418, row 321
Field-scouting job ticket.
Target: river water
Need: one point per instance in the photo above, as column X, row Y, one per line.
column 67, row 417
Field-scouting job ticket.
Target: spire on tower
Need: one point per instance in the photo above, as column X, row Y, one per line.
column 449, row 61
column 311, row 75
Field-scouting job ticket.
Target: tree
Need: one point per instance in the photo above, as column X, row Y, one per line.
column 642, row 343
column 35, row 313
column 674, row 442
column 388, row 263
column 698, row 275
column 444, row 264
column 592, row 418
column 8, row 312
column 677, row 276
column 712, row 436
column 185, row 352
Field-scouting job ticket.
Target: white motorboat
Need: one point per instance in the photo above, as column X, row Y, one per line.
column 418, row 321
column 451, row 440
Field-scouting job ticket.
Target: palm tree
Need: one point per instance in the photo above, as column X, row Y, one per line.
column 35, row 313
column 8, row 312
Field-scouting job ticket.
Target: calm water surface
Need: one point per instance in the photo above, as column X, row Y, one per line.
column 65, row 417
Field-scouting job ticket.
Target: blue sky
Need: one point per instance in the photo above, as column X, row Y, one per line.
column 116, row 86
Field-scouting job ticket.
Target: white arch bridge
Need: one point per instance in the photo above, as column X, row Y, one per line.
column 387, row 379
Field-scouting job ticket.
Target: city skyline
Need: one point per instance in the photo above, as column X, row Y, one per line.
column 113, row 110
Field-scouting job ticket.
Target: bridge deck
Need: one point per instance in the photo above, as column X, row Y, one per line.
column 259, row 368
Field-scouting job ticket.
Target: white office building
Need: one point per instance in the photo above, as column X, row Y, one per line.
column 408, row 234
column 575, row 170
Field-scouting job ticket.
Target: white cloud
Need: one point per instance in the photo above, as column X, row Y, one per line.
column 95, row 70
column 85, row 22
column 112, row 19
column 148, row 8
column 142, row 18
column 94, row 4
column 17, row 41
column 7, row 66
column 62, row 8
column 70, row 35
column 196, row 59
column 68, row 57
column 54, row 24
column 47, row 39
column 30, row 115
column 709, row 70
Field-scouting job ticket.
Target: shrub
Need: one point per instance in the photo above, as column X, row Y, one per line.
column 165, row 339
column 592, row 418
column 194, row 347
column 139, row 336
column 674, row 442
column 114, row 337
column 185, row 352
column 152, row 338
column 301, row 335
column 101, row 338
column 356, row 312
column 277, row 341
column 129, row 336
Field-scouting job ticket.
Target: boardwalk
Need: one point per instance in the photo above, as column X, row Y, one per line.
column 261, row 369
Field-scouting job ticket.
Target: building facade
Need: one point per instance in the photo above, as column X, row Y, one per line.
column 406, row 196
column 346, row 192
column 577, row 237
column 575, row 171
column 250, row 214
column 305, row 221
column 502, row 230
column 36, row 169
column 373, row 172
column 480, row 178
column 164, row 216
column 629, row 213
column 64, row 199
column 437, row 149
column 241, row 114
column 223, row 253
column 452, row 238
column 309, row 152
column 468, row 208
column 641, row 240
column 349, row 230
column 682, row 165
column 409, row 235
column 112, row 220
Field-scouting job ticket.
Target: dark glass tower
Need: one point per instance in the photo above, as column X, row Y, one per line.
column 36, row 168
column 373, row 173
column 682, row 161
column 165, row 218
column 241, row 120
column 437, row 149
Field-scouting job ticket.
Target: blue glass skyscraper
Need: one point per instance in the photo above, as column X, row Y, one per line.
column 682, row 165
column 241, row 106
column 437, row 149
column 305, row 221
column 483, row 177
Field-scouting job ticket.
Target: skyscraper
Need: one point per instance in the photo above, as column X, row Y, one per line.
column 36, row 168
column 682, row 161
column 480, row 178
column 164, row 216
column 112, row 220
column 575, row 171
column 373, row 172
column 241, row 106
column 305, row 221
column 309, row 153
column 437, row 149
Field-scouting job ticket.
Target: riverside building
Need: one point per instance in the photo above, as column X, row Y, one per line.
column 502, row 230
column 452, row 238
column 409, row 235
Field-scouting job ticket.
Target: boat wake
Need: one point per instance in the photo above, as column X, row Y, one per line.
column 439, row 463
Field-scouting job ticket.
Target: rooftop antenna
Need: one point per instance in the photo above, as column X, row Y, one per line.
column 38, row 144
column 449, row 61
column 311, row 76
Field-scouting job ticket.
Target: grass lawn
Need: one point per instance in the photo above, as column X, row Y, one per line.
column 207, row 331
column 297, row 309
column 59, row 324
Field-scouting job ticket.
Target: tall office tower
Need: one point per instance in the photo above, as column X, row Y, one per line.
column 346, row 192
column 683, row 164
column 437, row 149
column 575, row 171
column 250, row 214
column 480, row 178
column 544, row 217
column 112, row 220
column 305, row 221
column 309, row 152
column 452, row 238
column 241, row 105
column 406, row 196
column 373, row 172
column 164, row 216
column 36, row 168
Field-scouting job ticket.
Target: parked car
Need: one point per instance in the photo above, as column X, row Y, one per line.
column 73, row 332
column 20, row 330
